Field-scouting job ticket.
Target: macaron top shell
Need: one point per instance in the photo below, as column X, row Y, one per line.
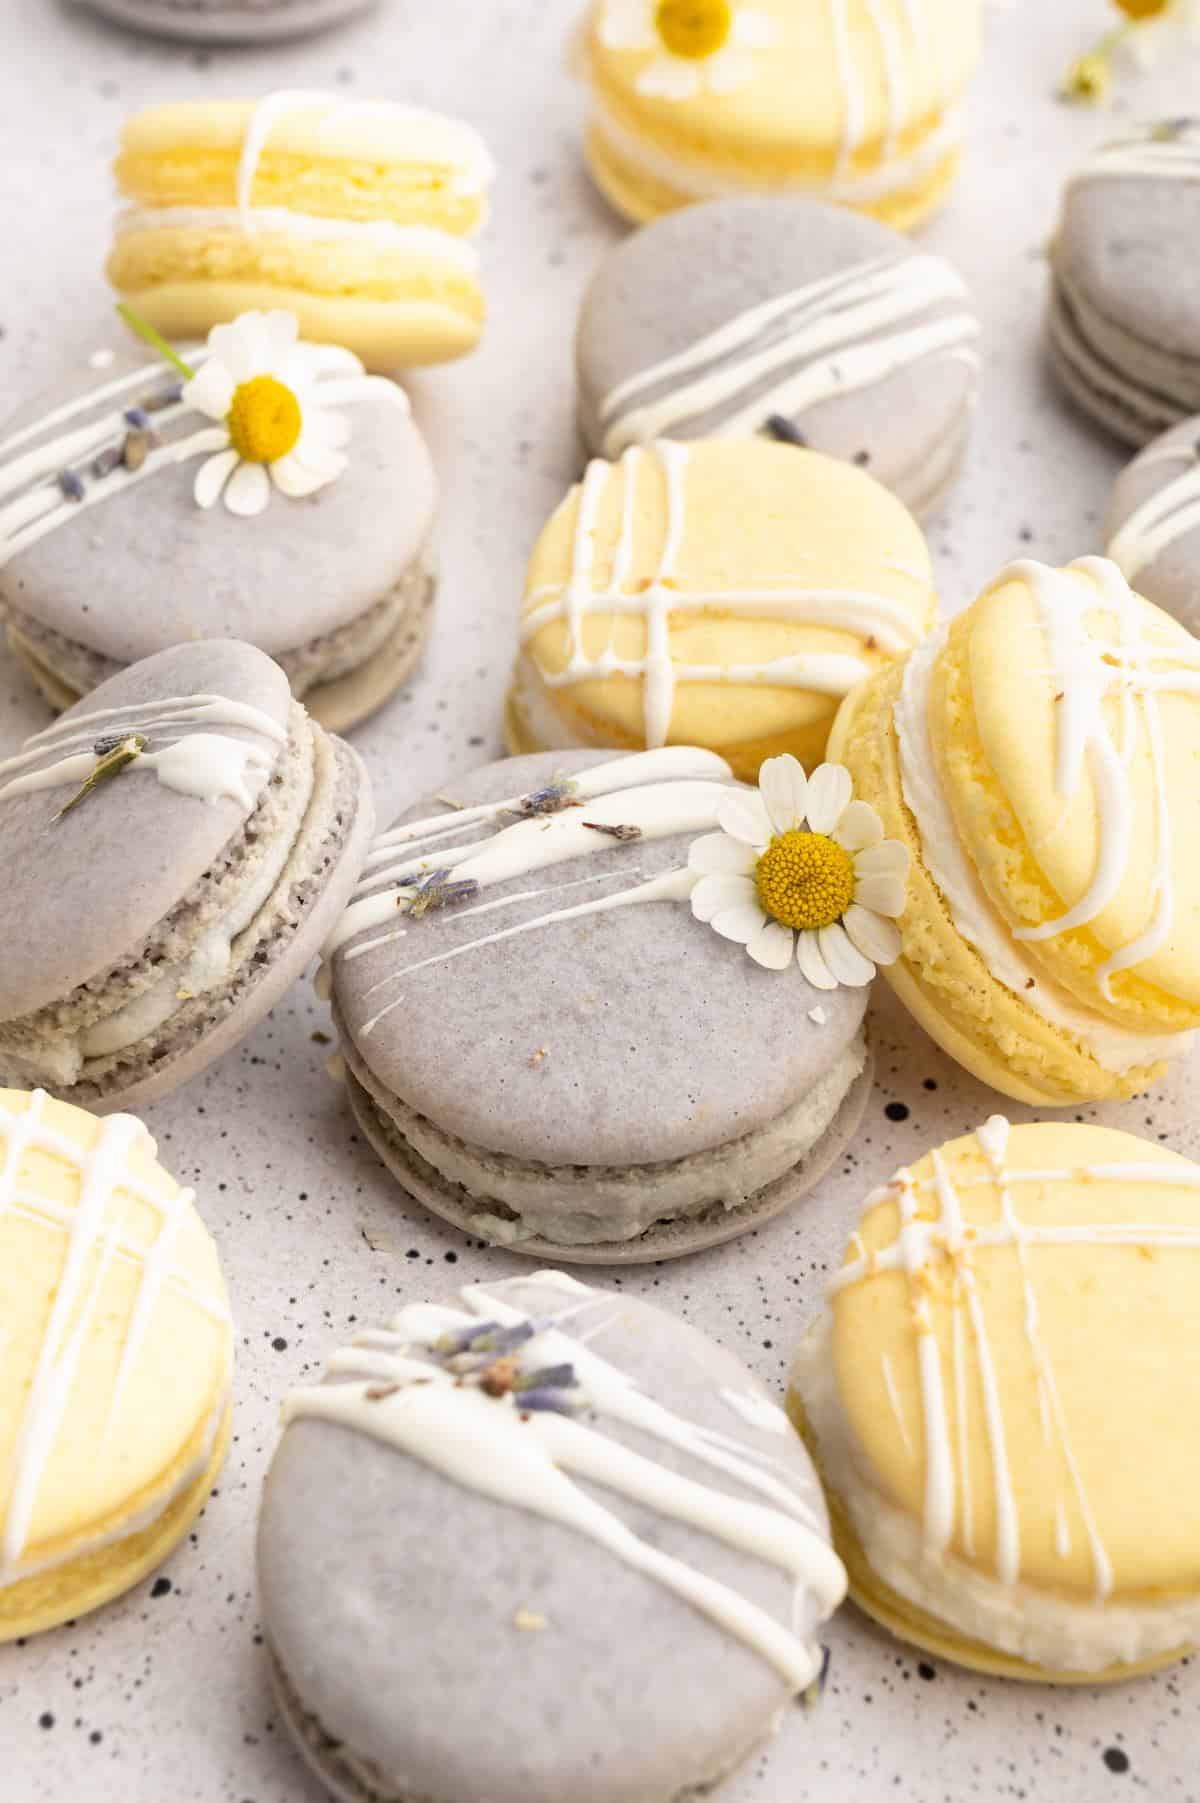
column 1066, row 715
column 84, row 891
column 662, row 295
column 108, row 1280
column 534, row 1663
column 1153, row 522
column 783, row 80
column 632, row 1035
column 138, row 565
column 1077, row 1446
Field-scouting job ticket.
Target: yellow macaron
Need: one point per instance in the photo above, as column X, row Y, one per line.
column 115, row 1361
column 1039, row 757
column 1003, row 1398
column 858, row 102
column 356, row 216
column 723, row 593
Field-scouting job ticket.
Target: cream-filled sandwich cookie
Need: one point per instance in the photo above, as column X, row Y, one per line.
column 724, row 593
column 116, row 1361
column 858, row 102
column 1037, row 756
column 357, row 216
column 175, row 849
column 1153, row 523
column 256, row 488
column 1002, row 1398
column 539, row 1541
column 1124, row 319
column 781, row 316
column 551, row 1031
column 228, row 21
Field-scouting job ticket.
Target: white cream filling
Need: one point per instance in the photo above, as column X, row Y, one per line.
column 1031, row 1624
column 208, row 966
column 688, row 178
column 381, row 234
column 978, row 920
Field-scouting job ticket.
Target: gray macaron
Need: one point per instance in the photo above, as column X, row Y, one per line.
column 766, row 314
column 542, row 1543
column 1124, row 318
column 228, row 21
column 175, row 849
column 1153, row 524
column 548, row 1049
column 106, row 556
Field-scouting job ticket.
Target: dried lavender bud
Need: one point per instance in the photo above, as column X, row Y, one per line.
column 434, row 891
column 137, row 447
column 623, row 833
column 550, row 1377
column 552, row 799
column 781, row 428
column 137, row 416
column 545, row 1402
column 71, row 484
column 107, row 461
column 125, row 752
column 166, row 397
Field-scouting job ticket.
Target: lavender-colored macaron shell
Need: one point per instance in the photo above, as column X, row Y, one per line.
column 391, row 1594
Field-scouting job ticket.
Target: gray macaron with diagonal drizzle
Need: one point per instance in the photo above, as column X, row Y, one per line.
column 539, row 1542
column 175, row 849
column 767, row 314
column 1153, row 523
column 553, row 1044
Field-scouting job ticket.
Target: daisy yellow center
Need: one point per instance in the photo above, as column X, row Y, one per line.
column 264, row 420
column 1143, row 9
column 693, row 28
column 805, row 880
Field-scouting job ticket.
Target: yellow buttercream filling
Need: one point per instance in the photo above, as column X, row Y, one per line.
column 694, row 29
column 264, row 420
column 804, row 880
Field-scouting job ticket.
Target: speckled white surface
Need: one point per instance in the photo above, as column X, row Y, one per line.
column 162, row 1698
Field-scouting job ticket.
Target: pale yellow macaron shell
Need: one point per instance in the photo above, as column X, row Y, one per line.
column 1116, row 1330
column 807, row 103
column 119, row 1484
column 995, row 721
column 941, row 979
column 756, row 515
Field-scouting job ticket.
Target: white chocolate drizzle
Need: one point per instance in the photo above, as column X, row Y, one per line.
column 529, row 1461
column 877, row 616
column 900, row 100
column 94, row 1238
column 1164, row 517
column 810, row 345
column 1162, row 153
column 207, row 765
column 931, row 1236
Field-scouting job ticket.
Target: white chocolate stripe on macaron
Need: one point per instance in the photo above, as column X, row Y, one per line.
column 528, row 1458
column 1162, row 519
column 816, row 340
column 93, row 1240
column 927, row 1235
column 1166, row 153
column 423, row 243
column 876, row 616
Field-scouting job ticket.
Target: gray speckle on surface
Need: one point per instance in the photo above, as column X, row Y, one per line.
column 313, row 1235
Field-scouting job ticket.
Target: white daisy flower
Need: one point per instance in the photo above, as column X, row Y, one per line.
column 703, row 44
column 258, row 381
column 803, row 868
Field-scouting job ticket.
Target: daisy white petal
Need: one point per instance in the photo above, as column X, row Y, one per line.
column 210, row 390
column 771, row 946
column 784, row 790
column 628, row 25
column 756, row 30
column 883, row 894
column 888, row 859
column 845, row 962
column 294, row 480
column 829, row 794
column 224, row 346
column 670, row 78
column 716, row 894
column 876, row 939
column 281, row 331
column 727, row 71
column 249, row 490
column 741, row 923
column 718, row 852
column 813, row 967
column 744, row 817
column 212, row 476
column 858, row 827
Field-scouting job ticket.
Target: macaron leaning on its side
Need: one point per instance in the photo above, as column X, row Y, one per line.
column 108, row 1281
column 175, row 849
column 556, row 1496
column 724, row 593
column 552, row 1033
column 781, row 316
column 1153, row 522
column 355, row 215
column 858, row 102
column 1002, row 1397
column 1037, row 756
column 272, row 490
column 228, row 21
